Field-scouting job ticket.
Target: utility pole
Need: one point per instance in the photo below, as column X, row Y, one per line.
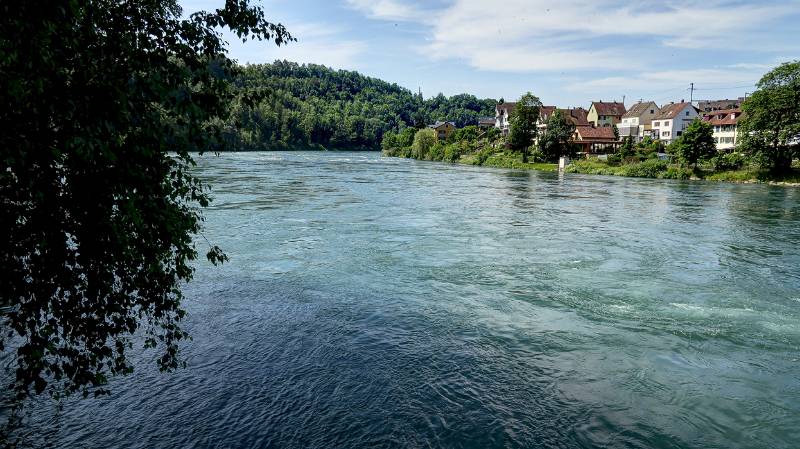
column 691, row 94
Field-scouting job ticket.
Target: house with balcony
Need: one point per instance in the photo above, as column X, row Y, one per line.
column 605, row 114
column 672, row 120
column 502, row 112
column 637, row 121
column 725, row 124
column 443, row 129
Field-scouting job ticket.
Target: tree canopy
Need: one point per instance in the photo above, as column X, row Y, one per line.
column 770, row 128
column 523, row 122
column 312, row 106
column 101, row 104
column 555, row 140
column 696, row 143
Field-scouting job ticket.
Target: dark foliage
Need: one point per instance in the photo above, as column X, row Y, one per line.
column 312, row 106
column 101, row 103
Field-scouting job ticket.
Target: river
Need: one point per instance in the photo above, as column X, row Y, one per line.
column 377, row 302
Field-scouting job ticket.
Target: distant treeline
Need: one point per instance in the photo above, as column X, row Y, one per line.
column 315, row 107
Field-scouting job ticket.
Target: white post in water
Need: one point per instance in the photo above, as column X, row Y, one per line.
column 563, row 161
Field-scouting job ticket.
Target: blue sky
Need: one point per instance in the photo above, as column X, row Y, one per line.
column 567, row 52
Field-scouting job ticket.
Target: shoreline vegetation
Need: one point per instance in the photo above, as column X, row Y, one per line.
column 470, row 146
column 653, row 169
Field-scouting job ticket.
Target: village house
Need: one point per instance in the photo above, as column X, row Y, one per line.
column 637, row 122
column 591, row 139
column 719, row 105
column 725, row 123
column 576, row 115
column 671, row 120
column 485, row 123
column 443, row 129
column 501, row 114
column 605, row 114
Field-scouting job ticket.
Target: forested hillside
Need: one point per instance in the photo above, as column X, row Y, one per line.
column 312, row 106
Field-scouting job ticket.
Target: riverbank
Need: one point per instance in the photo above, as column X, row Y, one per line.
column 651, row 168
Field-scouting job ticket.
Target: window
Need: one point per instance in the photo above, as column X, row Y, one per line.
column 652, row 112
column 680, row 132
column 687, row 113
column 655, row 123
column 665, row 134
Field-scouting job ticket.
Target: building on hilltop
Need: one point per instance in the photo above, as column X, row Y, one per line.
column 637, row 121
column 443, row 129
column 605, row 114
column 725, row 123
column 671, row 120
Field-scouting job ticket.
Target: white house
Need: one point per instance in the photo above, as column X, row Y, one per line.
column 637, row 122
column 501, row 114
column 671, row 120
column 725, row 125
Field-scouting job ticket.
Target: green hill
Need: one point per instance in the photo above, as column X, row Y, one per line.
column 312, row 106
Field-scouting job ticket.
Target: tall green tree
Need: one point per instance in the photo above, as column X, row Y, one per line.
column 101, row 103
column 696, row 143
column 555, row 140
column 770, row 128
column 424, row 140
column 522, row 122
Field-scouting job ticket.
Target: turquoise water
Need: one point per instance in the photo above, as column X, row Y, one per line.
column 374, row 302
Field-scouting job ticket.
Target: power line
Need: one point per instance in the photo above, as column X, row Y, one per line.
column 727, row 88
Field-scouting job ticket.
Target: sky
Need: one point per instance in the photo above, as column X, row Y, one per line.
column 567, row 52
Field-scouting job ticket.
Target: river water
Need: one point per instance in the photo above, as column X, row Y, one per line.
column 376, row 302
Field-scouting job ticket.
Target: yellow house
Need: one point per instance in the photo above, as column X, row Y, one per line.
column 443, row 129
column 605, row 114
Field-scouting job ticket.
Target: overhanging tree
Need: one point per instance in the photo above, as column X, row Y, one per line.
column 523, row 124
column 770, row 128
column 101, row 103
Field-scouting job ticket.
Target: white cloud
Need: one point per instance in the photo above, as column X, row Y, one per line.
column 316, row 43
column 673, row 85
column 543, row 35
column 388, row 10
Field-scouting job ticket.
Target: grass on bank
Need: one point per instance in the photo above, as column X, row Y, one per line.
column 643, row 164
column 654, row 168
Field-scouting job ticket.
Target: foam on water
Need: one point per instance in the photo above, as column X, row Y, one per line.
column 373, row 302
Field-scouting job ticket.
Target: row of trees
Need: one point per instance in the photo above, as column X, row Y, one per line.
column 313, row 106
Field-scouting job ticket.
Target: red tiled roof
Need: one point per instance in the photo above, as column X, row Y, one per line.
column 723, row 117
column 671, row 111
column 609, row 108
column 576, row 115
column 545, row 111
column 592, row 133
column 508, row 105
column 579, row 116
